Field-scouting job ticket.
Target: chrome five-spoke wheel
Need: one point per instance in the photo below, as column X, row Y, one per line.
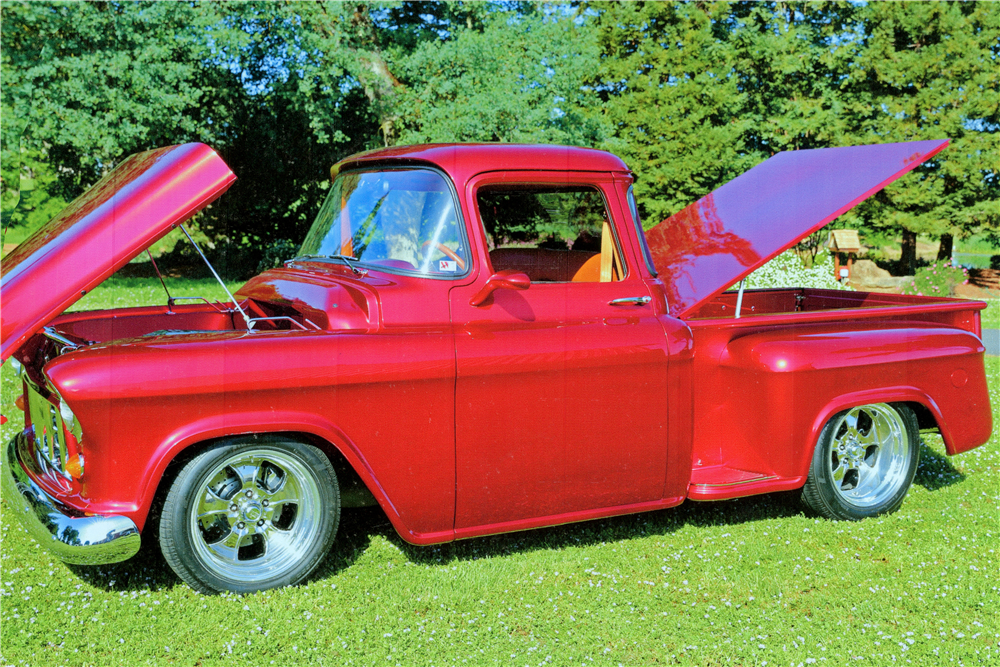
column 250, row 515
column 864, row 462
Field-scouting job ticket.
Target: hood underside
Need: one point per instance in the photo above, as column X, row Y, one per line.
column 727, row 234
column 102, row 230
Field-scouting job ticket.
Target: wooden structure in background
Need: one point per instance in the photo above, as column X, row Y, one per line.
column 843, row 242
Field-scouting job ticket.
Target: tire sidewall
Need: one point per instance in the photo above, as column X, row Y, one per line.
column 176, row 536
column 819, row 492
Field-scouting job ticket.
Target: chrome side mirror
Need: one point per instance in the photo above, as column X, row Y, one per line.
column 508, row 279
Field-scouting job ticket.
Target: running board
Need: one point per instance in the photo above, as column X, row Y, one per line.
column 721, row 482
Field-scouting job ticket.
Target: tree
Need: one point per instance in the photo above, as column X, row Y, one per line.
column 89, row 83
column 282, row 90
column 520, row 77
column 671, row 101
column 689, row 94
column 788, row 59
column 929, row 71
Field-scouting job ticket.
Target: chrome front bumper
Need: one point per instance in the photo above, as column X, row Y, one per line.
column 74, row 538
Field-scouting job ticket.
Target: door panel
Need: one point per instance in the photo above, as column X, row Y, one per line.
column 561, row 397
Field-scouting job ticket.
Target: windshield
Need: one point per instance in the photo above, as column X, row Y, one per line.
column 400, row 219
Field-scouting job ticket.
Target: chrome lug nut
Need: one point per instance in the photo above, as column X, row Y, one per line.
column 241, row 526
column 249, row 494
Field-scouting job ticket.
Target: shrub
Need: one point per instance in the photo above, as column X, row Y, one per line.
column 787, row 270
column 938, row 279
column 276, row 253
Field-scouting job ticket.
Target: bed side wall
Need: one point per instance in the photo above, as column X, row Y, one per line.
column 762, row 395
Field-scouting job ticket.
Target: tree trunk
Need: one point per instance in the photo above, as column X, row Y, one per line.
column 908, row 260
column 946, row 247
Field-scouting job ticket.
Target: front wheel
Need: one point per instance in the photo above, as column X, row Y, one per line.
column 250, row 514
column 864, row 462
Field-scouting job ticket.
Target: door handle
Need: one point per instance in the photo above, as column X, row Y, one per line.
column 631, row 301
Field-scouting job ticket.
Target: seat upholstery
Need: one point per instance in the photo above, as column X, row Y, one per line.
column 549, row 265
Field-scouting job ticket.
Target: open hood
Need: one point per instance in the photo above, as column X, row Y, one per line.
column 142, row 199
column 727, row 234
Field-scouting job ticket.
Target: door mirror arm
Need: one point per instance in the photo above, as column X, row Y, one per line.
column 507, row 279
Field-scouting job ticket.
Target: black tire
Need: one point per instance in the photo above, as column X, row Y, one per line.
column 249, row 514
column 864, row 462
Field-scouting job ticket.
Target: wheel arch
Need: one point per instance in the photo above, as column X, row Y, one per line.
column 173, row 454
column 926, row 409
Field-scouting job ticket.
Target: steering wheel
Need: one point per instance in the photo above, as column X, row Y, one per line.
column 447, row 251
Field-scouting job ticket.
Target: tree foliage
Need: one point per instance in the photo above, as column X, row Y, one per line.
column 930, row 71
column 672, row 101
column 689, row 94
column 87, row 84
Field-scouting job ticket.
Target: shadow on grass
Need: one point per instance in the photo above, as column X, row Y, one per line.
column 148, row 570
column 935, row 471
column 612, row 529
column 358, row 527
column 145, row 571
column 354, row 535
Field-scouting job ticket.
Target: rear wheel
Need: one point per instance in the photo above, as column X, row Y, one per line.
column 864, row 462
column 250, row 514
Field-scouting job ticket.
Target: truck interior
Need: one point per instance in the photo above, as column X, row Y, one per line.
column 551, row 234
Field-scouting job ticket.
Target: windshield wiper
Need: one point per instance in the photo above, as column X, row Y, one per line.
column 348, row 261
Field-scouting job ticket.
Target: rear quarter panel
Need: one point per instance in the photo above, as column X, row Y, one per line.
column 762, row 395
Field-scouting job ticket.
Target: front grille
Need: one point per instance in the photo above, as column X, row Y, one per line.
column 49, row 431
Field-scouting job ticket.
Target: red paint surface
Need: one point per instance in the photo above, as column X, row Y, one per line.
column 725, row 235
column 538, row 406
column 102, row 230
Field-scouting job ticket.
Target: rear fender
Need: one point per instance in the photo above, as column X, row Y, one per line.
column 807, row 374
column 882, row 395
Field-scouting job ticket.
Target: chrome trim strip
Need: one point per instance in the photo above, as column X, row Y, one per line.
column 284, row 318
column 82, row 540
column 172, row 301
column 47, row 423
column 57, row 337
column 762, row 478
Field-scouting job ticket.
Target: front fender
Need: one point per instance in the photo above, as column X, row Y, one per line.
column 385, row 401
column 242, row 424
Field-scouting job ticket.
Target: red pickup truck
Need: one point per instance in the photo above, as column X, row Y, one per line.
column 478, row 339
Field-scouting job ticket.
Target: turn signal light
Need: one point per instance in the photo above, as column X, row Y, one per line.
column 19, row 402
column 74, row 466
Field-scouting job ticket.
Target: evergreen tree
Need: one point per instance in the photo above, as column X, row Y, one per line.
column 671, row 100
column 930, row 71
column 689, row 94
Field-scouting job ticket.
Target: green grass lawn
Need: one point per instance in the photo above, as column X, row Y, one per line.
column 991, row 316
column 748, row 582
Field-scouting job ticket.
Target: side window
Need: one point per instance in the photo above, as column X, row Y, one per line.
column 551, row 233
column 642, row 235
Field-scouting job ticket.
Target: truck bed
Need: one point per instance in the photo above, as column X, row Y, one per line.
column 815, row 305
column 799, row 353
